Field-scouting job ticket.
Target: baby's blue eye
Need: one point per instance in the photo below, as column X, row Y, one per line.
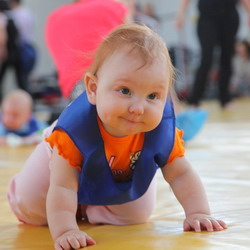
column 125, row 91
column 152, row 96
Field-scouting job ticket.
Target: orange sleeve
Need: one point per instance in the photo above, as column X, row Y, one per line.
column 178, row 149
column 66, row 148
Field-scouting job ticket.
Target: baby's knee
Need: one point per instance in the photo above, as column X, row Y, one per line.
column 28, row 209
column 132, row 215
column 136, row 217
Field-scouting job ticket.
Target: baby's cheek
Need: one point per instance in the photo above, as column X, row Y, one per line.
column 156, row 118
column 105, row 115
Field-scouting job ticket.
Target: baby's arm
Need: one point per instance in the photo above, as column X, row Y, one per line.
column 61, row 206
column 190, row 192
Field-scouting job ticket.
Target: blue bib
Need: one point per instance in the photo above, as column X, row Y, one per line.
column 96, row 184
column 28, row 129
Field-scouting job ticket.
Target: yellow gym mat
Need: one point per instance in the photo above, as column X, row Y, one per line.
column 221, row 155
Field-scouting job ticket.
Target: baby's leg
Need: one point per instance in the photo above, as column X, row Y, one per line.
column 28, row 189
column 133, row 212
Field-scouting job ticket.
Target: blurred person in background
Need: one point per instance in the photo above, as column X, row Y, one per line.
column 217, row 26
column 19, row 53
column 240, row 83
column 9, row 52
column 3, row 33
column 25, row 23
column 85, row 23
column 144, row 18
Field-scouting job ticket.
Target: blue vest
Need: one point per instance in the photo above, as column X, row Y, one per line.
column 96, row 183
column 29, row 128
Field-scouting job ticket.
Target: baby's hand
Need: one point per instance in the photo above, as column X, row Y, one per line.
column 75, row 239
column 199, row 222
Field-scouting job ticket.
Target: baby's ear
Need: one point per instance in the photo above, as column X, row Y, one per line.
column 90, row 85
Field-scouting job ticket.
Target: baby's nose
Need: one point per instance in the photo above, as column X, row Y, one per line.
column 137, row 108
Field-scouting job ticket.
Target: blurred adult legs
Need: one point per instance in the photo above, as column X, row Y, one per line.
column 207, row 38
column 227, row 44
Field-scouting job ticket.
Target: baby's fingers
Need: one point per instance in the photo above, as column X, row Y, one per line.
column 74, row 242
column 211, row 224
column 223, row 224
column 62, row 244
column 187, row 227
column 90, row 241
column 86, row 241
column 218, row 225
column 79, row 241
column 199, row 223
column 194, row 226
column 207, row 224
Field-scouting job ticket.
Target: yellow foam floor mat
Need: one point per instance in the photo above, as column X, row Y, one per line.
column 220, row 154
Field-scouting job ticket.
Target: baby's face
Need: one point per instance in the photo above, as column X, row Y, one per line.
column 13, row 117
column 130, row 97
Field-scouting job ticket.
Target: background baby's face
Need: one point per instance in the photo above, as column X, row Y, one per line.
column 14, row 116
